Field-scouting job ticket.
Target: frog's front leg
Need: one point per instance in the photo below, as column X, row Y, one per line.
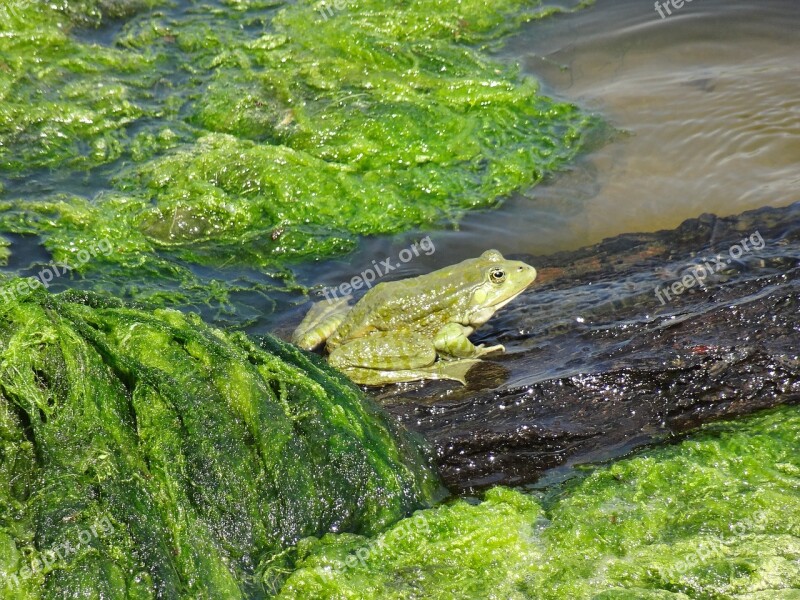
column 452, row 340
column 390, row 357
column 320, row 322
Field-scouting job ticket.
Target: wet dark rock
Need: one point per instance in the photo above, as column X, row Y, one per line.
column 598, row 365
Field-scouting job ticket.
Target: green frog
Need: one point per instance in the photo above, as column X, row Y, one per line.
column 416, row 328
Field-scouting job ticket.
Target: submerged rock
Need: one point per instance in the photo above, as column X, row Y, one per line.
column 598, row 364
column 147, row 455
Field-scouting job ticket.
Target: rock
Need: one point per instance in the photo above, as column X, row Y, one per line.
column 144, row 453
column 598, row 365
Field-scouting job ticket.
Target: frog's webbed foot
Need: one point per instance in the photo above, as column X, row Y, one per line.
column 320, row 322
column 454, row 369
column 452, row 340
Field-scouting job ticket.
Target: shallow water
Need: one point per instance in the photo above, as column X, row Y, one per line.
column 706, row 104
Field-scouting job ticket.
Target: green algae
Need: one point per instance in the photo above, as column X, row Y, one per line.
column 63, row 103
column 259, row 137
column 715, row 516
column 4, row 251
column 204, row 455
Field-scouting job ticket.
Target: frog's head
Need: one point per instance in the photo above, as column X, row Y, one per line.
column 500, row 281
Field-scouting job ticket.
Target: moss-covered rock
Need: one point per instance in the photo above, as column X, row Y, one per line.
column 716, row 516
column 175, row 460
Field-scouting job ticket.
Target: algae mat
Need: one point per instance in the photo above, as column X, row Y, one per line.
column 716, row 516
column 147, row 455
column 248, row 134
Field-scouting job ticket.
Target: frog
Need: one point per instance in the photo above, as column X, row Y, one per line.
column 416, row 328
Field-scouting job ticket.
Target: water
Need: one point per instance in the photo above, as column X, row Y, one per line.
column 707, row 102
column 706, row 107
column 703, row 103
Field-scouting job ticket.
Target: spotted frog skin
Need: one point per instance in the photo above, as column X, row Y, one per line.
column 416, row 328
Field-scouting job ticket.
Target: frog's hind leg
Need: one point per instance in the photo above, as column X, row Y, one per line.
column 455, row 370
column 320, row 322
column 390, row 357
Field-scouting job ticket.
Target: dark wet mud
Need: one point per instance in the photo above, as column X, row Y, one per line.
column 597, row 364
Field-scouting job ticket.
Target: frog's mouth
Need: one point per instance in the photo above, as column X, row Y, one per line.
column 480, row 317
column 501, row 304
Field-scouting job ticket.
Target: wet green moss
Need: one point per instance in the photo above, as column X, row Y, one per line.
column 64, row 103
column 204, row 455
column 4, row 250
column 259, row 137
column 716, row 516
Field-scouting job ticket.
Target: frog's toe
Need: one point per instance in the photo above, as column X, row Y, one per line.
column 487, row 349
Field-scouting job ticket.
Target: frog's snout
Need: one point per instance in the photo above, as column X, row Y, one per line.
column 531, row 272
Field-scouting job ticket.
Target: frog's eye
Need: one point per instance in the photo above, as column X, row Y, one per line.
column 497, row 275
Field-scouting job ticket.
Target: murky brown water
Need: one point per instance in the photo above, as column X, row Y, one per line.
column 707, row 102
